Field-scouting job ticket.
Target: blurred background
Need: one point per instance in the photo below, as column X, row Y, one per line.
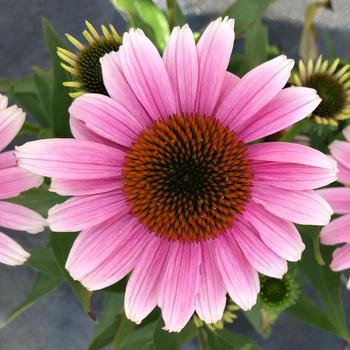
column 57, row 320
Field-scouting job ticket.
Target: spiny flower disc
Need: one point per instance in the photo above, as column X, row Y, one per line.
column 187, row 177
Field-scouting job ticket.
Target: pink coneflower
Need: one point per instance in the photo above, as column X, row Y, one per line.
column 164, row 185
column 338, row 231
column 13, row 181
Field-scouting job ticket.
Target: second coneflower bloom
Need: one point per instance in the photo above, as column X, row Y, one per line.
column 84, row 65
column 165, row 184
column 331, row 80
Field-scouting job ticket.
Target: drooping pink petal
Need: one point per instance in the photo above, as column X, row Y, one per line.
column 81, row 132
column 141, row 294
column 106, row 253
column 343, row 174
column 291, row 176
column 257, row 88
column 11, row 121
column 341, row 151
column 230, row 81
column 181, row 62
column 66, row 187
column 240, row 278
column 214, row 51
column 279, row 235
column 288, row 107
column 15, row 180
column 145, row 72
column 341, row 258
column 11, row 253
column 338, row 231
column 284, row 152
column 179, row 285
column 301, row 207
column 119, row 89
column 259, row 255
column 211, row 298
column 16, row 217
column 70, row 159
column 106, row 118
column 7, row 160
column 338, row 198
column 3, row 102
column 79, row 213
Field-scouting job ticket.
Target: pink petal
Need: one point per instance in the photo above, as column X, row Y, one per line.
column 7, row 160
column 284, row 152
column 211, row 298
column 338, row 231
column 279, row 235
column 341, row 258
column 16, row 217
column 300, row 207
column 344, row 174
column 181, row 62
column 338, row 198
column 230, row 81
column 11, row 253
column 257, row 88
column 106, row 253
column 141, row 293
column 15, row 180
column 119, row 89
column 79, row 213
column 81, row 132
column 214, row 51
column 145, row 72
column 341, row 152
column 259, row 255
column 291, row 176
column 11, row 121
column 240, row 279
column 3, row 102
column 288, row 107
column 66, row 187
column 106, row 118
column 179, row 285
column 70, row 159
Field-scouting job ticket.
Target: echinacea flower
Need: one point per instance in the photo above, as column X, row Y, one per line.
column 338, row 231
column 165, row 185
column 13, row 181
column 85, row 65
column 331, row 80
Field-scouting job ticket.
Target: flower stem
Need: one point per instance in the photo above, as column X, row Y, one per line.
column 202, row 339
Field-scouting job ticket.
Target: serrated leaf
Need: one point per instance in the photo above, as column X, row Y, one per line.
column 145, row 14
column 42, row 285
column 60, row 99
column 245, row 13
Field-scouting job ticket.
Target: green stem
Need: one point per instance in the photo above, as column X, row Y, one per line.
column 292, row 132
column 202, row 339
column 317, row 250
column 171, row 13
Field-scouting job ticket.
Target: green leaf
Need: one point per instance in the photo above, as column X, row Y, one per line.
column 107, row 325
column 307, row 310
column 61, row 244
column 246, row 12
column 256, row 44
column 165, row 340
column 44, row 84
column 38, row 199
column 175, row 14
column 5, row 85
column 141, row 339
column 60, row 99
column 326, row 282
column 145, row 14
column 125, row 327
column 225, row 339
column 43, row 260
column 43, row 285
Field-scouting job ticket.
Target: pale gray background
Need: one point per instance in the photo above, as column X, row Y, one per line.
column 57, row 322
